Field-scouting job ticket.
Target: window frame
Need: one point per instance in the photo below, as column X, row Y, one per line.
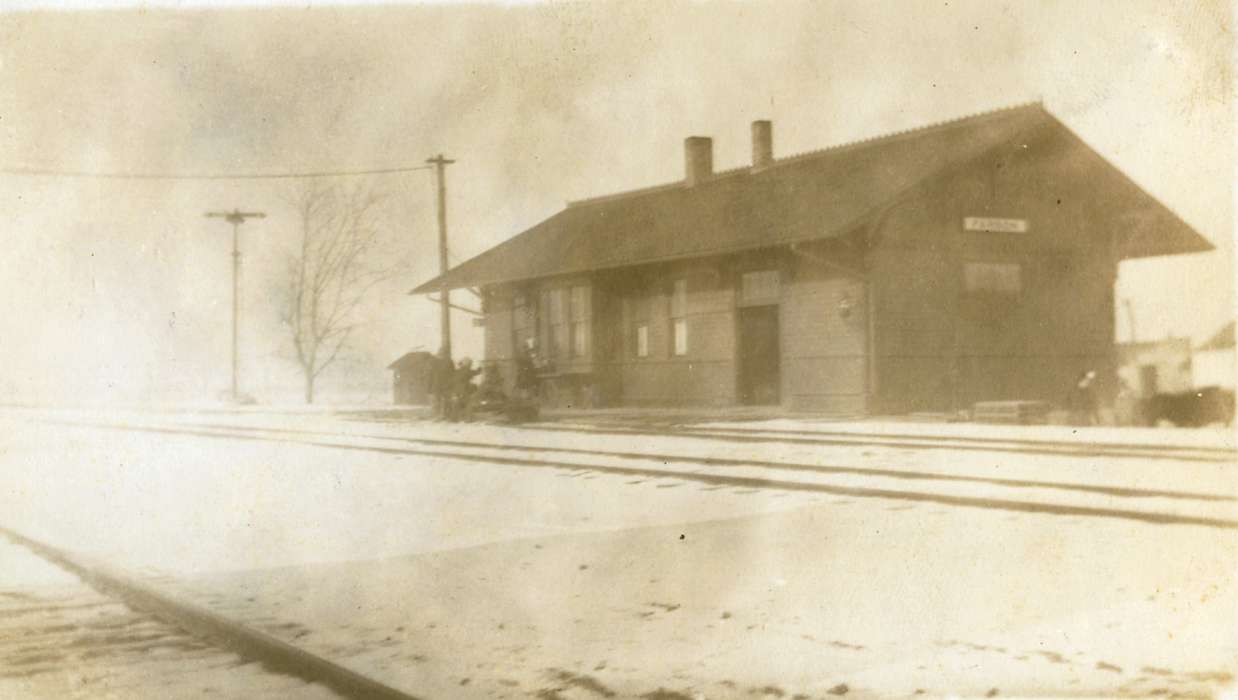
column 560, row 342
column 641, row 340
column 522, row 320
column 580, row 316
column 773, row 290
column 679, row 343
column 640, row 311
column 993, row 278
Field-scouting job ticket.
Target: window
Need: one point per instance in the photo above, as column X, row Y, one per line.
column 556, row 306
column 544, row 337
column 580, row 314
column 558, row 329
column 679, row 321
column 642, row 339
column 993, row 278
column 758, row 288
column 580, row 343
column 638, row 307
column 522, row 328
column 680, row 330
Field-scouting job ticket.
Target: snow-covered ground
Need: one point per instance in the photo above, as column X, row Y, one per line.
column 487, row 561
column 1213, row 436
column 60, row 639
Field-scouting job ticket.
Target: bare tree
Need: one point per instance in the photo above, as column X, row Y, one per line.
column 331, row 272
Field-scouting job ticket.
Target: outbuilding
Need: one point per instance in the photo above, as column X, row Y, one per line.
column 1214, row 362
column 1153, row 367
column 972, row 260
column 410, row 378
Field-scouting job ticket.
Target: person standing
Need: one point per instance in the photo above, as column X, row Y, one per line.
column 1082, row 403
column 526, row 373
column 462, row 390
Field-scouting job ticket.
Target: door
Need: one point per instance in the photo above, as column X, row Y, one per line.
column 760, row 357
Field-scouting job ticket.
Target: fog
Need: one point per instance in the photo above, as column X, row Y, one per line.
column 119, row 289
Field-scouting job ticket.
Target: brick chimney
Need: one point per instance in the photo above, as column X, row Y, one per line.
column 698, row 159
column 762, row 144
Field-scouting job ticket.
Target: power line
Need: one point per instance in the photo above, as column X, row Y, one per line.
column 43, row 172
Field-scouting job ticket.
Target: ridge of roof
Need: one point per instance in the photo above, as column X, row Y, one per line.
column 1222, row 339
column 648, row 189
column 891, row 136
column 406, row 357
column 802, row 156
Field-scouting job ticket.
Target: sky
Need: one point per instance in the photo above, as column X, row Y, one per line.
column 120, row 289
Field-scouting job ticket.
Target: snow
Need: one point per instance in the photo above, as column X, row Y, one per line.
column 1217, row 437
column 488, row 561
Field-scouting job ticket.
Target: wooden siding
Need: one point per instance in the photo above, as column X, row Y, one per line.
column 498, row 319
column 703, row 376
column 935, row 346
column 940, row 347
column 823, row 350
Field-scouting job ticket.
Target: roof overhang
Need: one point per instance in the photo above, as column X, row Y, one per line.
column 743, row 210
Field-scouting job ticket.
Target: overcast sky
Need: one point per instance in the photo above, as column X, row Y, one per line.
column 121, row 287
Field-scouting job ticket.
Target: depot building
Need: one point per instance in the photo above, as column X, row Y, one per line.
column 926, row 270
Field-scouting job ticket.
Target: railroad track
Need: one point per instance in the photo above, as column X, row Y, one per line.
column 665, row 458
column 145, row 642
column 1145, row 504
column 1069, row 448
column 96, row 632
column 909, row 440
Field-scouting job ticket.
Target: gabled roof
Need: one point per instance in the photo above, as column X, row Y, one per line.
column 410, row 359
column 815, row 195
column 1222, row 340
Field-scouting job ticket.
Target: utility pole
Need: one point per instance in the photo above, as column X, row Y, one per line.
column 236, row 217
column 440, row 164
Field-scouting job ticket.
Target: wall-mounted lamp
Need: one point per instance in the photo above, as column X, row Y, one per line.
column 845, row 305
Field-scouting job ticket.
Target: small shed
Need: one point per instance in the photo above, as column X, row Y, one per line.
column 1156, row 367
column 410, row 380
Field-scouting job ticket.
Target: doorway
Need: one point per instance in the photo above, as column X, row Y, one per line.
column 760, row 356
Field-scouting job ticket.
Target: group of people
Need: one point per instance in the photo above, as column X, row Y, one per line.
column 451, row 385
column 456, row 396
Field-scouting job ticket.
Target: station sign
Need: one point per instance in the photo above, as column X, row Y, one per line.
column 994, row 225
